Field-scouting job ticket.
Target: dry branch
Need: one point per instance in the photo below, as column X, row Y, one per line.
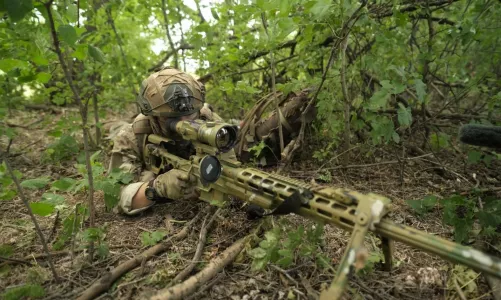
column 104, row 283
column 158, row 65
column 167, row 31
column 378, row 163
column 183, row 290
column 39, row 256
column 200, row 247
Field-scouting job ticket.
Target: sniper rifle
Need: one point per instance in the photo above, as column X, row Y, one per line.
column 220, row 175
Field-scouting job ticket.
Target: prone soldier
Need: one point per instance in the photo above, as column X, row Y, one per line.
column 171, row 94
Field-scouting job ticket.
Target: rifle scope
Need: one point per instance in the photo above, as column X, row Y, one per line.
column 223, row 136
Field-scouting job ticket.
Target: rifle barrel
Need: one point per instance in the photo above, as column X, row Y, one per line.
column 325, row 204
column 446, row 249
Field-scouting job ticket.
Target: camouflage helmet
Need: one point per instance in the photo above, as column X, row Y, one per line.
column 170, row 93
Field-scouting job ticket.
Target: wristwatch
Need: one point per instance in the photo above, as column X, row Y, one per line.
column 150, row 192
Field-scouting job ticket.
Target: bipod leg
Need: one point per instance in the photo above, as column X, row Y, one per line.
column 387, row 245
column 353, row 258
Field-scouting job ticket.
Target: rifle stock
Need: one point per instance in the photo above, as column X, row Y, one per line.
column 348, row 209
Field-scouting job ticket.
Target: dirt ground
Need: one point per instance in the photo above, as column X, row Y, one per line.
column 441, row 173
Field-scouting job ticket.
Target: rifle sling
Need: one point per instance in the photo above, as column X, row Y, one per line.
column 291, row 204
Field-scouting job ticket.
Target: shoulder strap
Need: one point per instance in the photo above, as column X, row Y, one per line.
column 141, row 127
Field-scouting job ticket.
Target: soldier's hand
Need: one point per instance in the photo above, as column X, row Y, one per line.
column 175, row 184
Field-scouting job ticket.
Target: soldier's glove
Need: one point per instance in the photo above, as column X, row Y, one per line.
column 175, row 184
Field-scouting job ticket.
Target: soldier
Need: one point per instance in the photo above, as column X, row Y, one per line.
column 166, row 94
column 169, row 94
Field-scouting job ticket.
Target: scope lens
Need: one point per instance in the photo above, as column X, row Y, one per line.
column 223, row 138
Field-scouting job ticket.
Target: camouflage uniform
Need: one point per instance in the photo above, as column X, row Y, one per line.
column 125, row 155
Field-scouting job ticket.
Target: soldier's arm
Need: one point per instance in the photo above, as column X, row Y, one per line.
column 125, row 157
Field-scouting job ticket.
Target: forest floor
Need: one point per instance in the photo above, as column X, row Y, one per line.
column 416, row 274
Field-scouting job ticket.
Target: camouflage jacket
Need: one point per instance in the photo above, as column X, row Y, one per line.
column 125, row 155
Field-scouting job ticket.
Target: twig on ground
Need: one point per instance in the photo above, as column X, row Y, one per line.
column 330, row 160
column 370, row 165
column 73, row 233
column 458, row 289
column 200, row 247
column 55, row 253
column 14, row 260
column 206, row 287
column 121, row 286
column 104, row 283
column 312, row 294
column 186, row 288
column 370, row 291
column 54, row 226
column 286, row 274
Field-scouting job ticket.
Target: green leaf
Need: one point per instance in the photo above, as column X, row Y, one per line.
column 320, row 8
column 284, row 8
column 474, row 156
column 439, row 140
column 462, row 231
column 420, row 89
column 96, row 54
column 7, row 195
column 404, row 115
column 36, row 183
column 258, row 253
column 285, row 261
column 379, row 99
column 265, row 244
column 17, row 9
column 488, row 218
column 110, row 201
column 68, row 34
column 6, row 250
column 41, row 209
column 52, row 199
column 396, row 137
column 94, row 156
column 214, row 13
column 285, row 252
column 150, row 239
column 4, row 271
column 40, row 60
column 103, row 250
column 31, row 291
column 126, row 178
column 424, row 205
column 92, row 234
column 63, row 184
column 323, row 261
column 157, row 235
column 9, row 64
column 271, row 236
column 81, row 52
column 259, row 264
column 488, row 159
column 71, row 13
column 286, row 26
column 43, row 77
